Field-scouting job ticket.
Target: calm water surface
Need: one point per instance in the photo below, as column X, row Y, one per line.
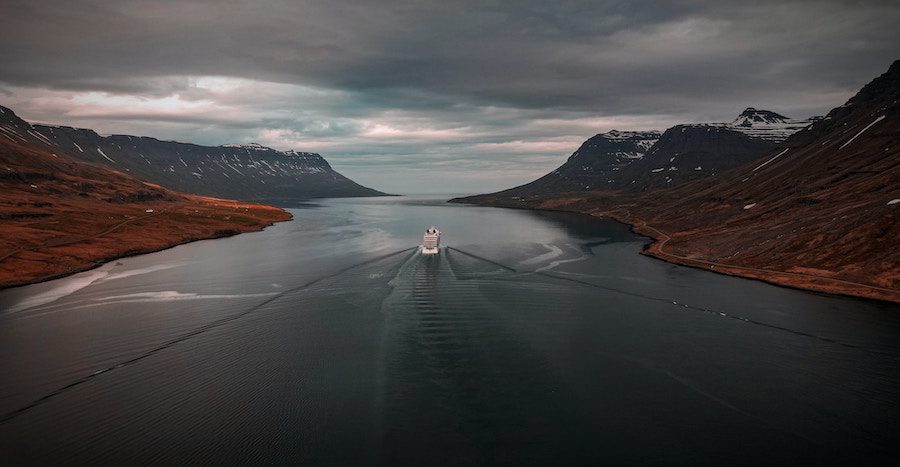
column 535, row 338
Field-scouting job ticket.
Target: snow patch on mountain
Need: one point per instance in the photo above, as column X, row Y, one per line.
column 248, row 146
column 762, row 124
column 862, row 131
column 770, row 160
column 768, row 125
column 105, row 156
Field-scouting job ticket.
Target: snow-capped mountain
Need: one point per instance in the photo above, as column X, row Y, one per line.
column 690, row 152
column 694, row 151
column 646, row 160
column 239, row 171
column 594, row 164
column 768, row 125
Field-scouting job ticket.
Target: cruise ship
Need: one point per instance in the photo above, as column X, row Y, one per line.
column 431, row 242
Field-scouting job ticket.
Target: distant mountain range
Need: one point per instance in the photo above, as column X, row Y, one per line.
column 249, row 171
column 59, row 215
column 647, row 160
column 817, row 209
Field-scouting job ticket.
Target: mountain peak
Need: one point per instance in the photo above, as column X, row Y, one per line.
column 752, row 115
column 883, row 91
column 8, row 116
column 894, row 69
column 765, row 124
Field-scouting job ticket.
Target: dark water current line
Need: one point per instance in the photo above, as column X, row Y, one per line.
column 665, row 300
column 200, row 330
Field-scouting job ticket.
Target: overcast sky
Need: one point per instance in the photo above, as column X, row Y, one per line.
column 431, row 96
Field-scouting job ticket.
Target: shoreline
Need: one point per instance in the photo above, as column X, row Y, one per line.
column 172, row 229
column 799, row 281
column 103, row 261
column 654, row 249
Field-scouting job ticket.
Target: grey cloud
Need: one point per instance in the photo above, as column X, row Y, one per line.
column 615, row 56
column 472, row 73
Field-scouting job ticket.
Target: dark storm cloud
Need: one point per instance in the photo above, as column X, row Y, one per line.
column 464, row 73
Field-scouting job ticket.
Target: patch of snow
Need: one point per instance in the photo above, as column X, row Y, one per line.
column 105, row 156
column 770, row 160
column 698, row 168
column 232, row 168
column 749, row 206
column 893, row 201
column 250, row 146
column 861, row 131
column 658, row 170
column 77, row 146
column 40, row 137
column 13, row 132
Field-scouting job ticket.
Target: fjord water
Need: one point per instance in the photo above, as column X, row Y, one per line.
column 534, row 337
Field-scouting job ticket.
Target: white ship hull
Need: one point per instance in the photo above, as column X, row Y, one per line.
column 431, row 242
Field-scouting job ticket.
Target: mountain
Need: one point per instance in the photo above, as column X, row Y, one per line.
column 230, row 171
column 595, row 164
column 640, row 161
column 690, row 152
column 59, row 215
column 817, row 211
column 825, row 203
column 768, row 125
column 694, row 151
column 750, row 117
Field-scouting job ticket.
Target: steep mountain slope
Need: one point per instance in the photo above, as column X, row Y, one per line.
column 690, row 152
column 641, row 161
column 59, row 216
column 826, row 203
column 818, row 212
column 594, row 165
column 694, row 151
column 231, row 171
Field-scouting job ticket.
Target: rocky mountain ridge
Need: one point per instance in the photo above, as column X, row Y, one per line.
column 249, row 171
column 594, row 163
column 646, row 160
